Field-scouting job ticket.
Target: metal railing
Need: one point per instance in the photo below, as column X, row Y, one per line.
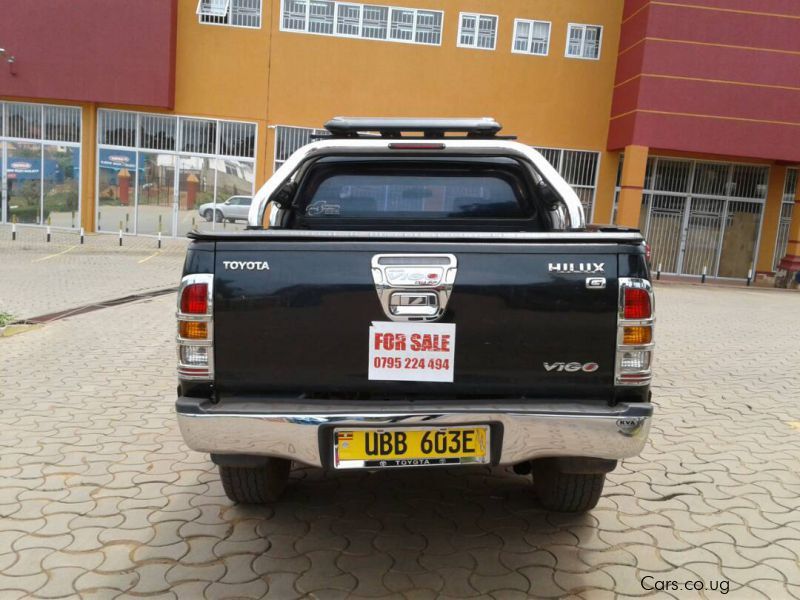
column 787, row 207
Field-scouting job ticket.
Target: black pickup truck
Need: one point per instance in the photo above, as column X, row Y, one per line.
column 416, row 293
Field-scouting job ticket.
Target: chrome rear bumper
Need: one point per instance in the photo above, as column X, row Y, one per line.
column 527, row 430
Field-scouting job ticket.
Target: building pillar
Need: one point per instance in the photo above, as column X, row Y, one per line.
column 632, row 182
column 771, row 220
column 788, row 274
column 606, row 184
column 88, row 166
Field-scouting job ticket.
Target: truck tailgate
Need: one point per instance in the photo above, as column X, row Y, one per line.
column 296, row 316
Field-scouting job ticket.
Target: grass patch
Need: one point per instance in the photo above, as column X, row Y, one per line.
column 6, row 318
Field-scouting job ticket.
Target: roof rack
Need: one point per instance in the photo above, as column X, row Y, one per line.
column 355, row 127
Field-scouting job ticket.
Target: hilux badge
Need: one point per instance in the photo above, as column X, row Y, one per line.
column 588, row 267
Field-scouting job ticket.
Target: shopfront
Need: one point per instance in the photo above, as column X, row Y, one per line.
column 169, row 174
column 40, row 164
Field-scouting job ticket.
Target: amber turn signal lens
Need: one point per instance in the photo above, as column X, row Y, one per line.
column 193, row 330
column 637, row 335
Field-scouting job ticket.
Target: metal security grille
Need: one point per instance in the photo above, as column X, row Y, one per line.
column 531, row 37
column 236, row 13
column 117, row 128
column 40, row 122
column 703, row 217
column 289, row 139
column 199, row 136
column 579, row 169
column 477, row 31
column 787, row 206
column 366, row 21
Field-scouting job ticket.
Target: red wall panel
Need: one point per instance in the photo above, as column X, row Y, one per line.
column 713, row 26
column 670, row 89
column 715, row 62
column 779, row 7
column 90, row 50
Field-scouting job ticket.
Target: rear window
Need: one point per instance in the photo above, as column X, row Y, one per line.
column 400, row 195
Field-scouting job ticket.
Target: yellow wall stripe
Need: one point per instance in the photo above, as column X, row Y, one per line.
column 701, row 116
column 706, row 80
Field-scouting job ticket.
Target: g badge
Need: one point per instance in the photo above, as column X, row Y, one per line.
column 595, row 283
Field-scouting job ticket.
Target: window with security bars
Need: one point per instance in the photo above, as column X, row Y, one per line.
column 236, row 13
column 162, row 132
column 583, row 41
column 22, row 120
column 702, row 217
column 365, row 21
column 289, row 139
column 477, row 31
column 579, row 169
column 531, row 37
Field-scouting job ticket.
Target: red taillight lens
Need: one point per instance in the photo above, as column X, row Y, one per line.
column 194, row 300
column 637, row 304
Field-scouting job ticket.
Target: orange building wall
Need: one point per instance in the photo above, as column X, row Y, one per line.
column 546, row 101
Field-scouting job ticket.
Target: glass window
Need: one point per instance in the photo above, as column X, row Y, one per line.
column 532, row 37
column 24, row 182
column 115, row 192
column 522, row 36
column 347, row 19
column 402, row 25
column 477, row 31
column 60, row 176
column 295, row 14
column 62, row 123
column 197, row 177
column 199, row 135
column 320, row 19
column 583, row 41
column 376, row 22
column 158, row 132
column 429, row 27
column 156, row 193
column 235, row 182
column 24, row 120
column 413, row 196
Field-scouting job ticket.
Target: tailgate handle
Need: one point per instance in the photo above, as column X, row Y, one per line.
column 414, row 287
column 414, row 304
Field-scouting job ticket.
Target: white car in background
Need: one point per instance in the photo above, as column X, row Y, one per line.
column 235, row 208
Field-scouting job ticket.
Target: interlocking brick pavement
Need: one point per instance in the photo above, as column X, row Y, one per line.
column 100, row 498
column 37, row 277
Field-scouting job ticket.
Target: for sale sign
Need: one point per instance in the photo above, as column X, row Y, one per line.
column 411, row 351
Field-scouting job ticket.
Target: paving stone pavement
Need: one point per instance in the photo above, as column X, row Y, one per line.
column 38, row 278
column 99, row 497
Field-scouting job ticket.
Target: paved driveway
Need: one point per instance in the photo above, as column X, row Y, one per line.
column 99, row 497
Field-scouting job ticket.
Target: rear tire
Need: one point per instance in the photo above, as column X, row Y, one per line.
column 566, row 492
column 256, row 485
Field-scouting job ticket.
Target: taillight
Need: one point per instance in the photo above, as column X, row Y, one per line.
column 194, row 299
column 196, row 327
column 635, row 322
column 637, row 303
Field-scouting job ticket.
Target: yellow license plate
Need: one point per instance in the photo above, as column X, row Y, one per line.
column 410, row 447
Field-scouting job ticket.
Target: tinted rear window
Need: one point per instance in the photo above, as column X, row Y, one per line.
column 418, row 196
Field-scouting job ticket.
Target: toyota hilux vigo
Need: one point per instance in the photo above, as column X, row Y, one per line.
column 416, row 293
